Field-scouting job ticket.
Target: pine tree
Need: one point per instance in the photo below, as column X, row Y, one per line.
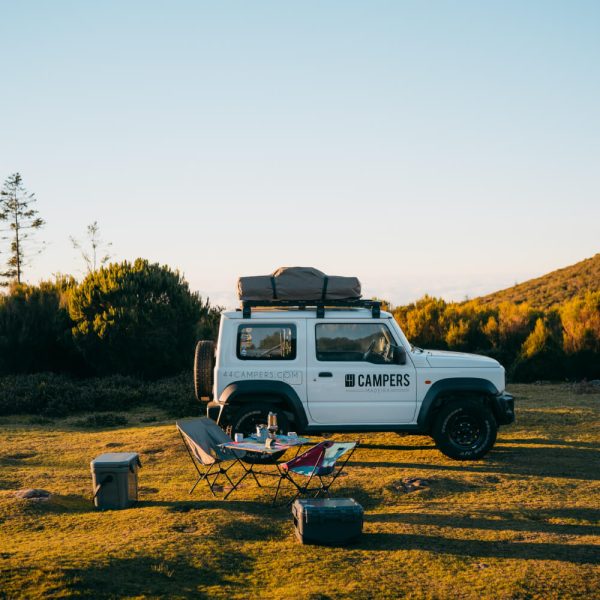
column 16, row 209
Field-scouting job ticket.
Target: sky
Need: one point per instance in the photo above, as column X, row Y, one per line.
column 443, row 147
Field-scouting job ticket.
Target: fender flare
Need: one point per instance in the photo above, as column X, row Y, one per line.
column 238, row 389
column 453, row 384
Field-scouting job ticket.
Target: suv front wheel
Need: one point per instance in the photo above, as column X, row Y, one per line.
column 465, row 430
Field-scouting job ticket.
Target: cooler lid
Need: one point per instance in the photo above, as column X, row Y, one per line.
column 115, row 460
column 316, row 509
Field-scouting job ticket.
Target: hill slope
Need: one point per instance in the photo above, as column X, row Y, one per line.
column 552, row 288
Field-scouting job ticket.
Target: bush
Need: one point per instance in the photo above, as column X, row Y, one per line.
column 175, row 395
column 114, row 392
column 45, row 394
column 101, row 420
column 136, row 319
column 51, row 395
column 35, row 329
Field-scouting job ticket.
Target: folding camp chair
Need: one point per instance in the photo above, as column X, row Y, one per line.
column 202, row 438
column 318, row 462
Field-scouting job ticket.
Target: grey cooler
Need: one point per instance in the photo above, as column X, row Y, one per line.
column 115, row 479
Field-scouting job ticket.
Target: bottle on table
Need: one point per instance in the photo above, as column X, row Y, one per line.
column 272, row 424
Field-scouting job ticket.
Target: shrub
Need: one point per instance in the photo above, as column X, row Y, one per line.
column 114, row 392
column 35, row 329
column 136, row 319
column 45, row 394
column 175, row 395
column 51, row 395
column 101, row 420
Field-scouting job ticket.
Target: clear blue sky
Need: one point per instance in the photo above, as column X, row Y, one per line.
column 442, row 147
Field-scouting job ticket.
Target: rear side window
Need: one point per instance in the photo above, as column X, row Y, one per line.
column 353, row 342
column 266, row 342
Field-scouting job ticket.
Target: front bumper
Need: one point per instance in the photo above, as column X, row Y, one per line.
column 504, row 408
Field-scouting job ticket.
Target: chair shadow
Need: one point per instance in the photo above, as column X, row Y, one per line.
column 260, row 506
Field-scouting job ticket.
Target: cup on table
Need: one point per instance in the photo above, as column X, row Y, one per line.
column 292, row 434
column 239, row 437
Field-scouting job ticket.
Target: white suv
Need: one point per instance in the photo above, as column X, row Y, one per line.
column 347, row 368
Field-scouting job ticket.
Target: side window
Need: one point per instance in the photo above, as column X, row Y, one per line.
column 266, row 342
column 368, row 342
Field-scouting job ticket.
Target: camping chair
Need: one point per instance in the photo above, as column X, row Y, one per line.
column 202, row 438
column 317, row 462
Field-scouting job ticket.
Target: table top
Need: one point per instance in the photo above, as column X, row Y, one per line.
column 253, row 444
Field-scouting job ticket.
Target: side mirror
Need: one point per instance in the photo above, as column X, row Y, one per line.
column 399, row 355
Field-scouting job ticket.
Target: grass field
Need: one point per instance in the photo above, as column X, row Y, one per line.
column 522, row 523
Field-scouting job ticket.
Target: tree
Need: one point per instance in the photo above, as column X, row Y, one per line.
column 16, row 209
column 35, row 329
column 95, row 247
column 136, row 319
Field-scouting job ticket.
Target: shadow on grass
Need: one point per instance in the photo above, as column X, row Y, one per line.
column 573, row 553
column 568, row 463
column 503, row 521
column 153, row 576
column 259, row 507
column 545, row 442
column 57, row 504
column 396, row 447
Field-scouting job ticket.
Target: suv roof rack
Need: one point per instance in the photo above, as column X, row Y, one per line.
column 319, row 305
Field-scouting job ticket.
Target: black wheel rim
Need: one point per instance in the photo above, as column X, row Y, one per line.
column 465, row 430
column 249, row 423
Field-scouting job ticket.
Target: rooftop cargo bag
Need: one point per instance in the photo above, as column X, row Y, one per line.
column 327, row 521
column 115, row 479
column 298, row 283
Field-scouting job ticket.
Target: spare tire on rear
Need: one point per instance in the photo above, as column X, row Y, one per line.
column 204, row 365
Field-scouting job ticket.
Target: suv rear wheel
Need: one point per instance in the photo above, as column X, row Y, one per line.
column 204, row 365
column 465, row 430
column 251, row 414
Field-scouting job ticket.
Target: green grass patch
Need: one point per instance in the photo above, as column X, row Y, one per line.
column 522, row 523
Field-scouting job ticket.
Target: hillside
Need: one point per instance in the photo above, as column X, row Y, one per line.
column 552, row 288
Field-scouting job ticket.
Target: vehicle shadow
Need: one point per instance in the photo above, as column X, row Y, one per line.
column 561, row 462
column 396, row 447
column 535, row 521
column 545, row 442
column 574, row 553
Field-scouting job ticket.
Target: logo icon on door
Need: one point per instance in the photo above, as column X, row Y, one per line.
column 350, row 381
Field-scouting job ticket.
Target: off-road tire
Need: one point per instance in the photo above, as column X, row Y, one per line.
column 465, row 430
column 248, row 416
column 204, row 365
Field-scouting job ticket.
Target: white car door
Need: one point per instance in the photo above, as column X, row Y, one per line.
column 352, row 376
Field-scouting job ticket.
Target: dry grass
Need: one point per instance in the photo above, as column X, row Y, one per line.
column 523, row 523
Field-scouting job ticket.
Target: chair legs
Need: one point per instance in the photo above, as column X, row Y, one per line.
column 300, row 489
column 218, row 471
column 215, row 474
column 324, row 484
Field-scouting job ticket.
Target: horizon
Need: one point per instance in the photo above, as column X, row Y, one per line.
column 441, row 149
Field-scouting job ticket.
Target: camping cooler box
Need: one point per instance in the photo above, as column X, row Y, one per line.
column 115, row 479
column 329, row 521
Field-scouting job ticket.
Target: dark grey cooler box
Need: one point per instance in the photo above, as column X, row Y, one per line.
column 327, row 521
column 115, row 479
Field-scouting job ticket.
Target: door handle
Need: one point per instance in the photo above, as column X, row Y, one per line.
column 325, row 374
